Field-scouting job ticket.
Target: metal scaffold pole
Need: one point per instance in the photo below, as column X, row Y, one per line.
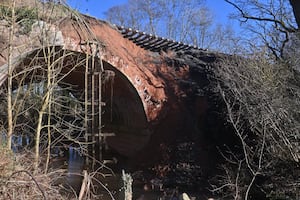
column 93, row 110
column 95, row 139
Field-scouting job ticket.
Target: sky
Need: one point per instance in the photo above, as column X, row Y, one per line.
column 96, row 8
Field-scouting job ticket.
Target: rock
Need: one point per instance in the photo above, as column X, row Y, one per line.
column 48, row 34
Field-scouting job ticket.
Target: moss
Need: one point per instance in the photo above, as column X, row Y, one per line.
column 25, row 16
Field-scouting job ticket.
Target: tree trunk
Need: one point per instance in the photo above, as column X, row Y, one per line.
column 38, row 132
column 45, row 105
column 296, row 9
column 9, row 79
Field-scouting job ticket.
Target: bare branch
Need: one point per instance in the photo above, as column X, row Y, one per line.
column 36, row 183
column 273, row 20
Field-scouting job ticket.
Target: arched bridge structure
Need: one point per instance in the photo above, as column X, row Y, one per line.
column 147, row 97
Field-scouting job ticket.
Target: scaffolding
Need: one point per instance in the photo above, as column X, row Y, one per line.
column 95, row 138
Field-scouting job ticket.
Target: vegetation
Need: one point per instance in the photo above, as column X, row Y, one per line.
column 262, row 105
column 261, row 95
column 25, row 16
column 7, row 164
column 43, row 113
column 17, row 182
column 259, row 89
column 186, row 21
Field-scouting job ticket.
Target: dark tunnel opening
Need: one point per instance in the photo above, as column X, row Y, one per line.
column 123, row 113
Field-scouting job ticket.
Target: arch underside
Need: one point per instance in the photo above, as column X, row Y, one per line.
column 123, row 113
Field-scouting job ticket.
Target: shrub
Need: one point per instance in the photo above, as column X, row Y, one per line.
column 25, row 16
column 262, row 104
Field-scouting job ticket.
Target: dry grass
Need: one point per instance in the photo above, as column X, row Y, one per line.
column 18, row 182
column 262, row 105
column 6, row 163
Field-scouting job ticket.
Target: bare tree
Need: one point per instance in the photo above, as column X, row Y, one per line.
column 36, row 103
column 189, row 21
column 296, row 10
column 261, row 98
column 9, row 76
column 28, row 99
column 272, row 21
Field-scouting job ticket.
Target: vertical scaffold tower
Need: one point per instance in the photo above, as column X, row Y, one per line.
column 95, row 139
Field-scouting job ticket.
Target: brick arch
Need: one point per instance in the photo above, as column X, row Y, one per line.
column 124, row 113
column 136, row 64
column 143, row 73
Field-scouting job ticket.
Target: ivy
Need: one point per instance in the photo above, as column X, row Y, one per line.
column 25, row 17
